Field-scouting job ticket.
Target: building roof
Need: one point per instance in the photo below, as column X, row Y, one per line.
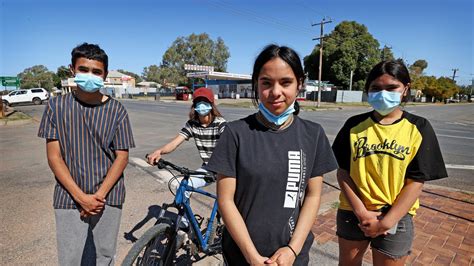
column 148, row 84
column 115, row 74
column 218, row 75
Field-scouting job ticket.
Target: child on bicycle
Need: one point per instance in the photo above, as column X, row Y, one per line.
column 205, row 125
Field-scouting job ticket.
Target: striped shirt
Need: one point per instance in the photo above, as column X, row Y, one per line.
column 88, row 135
column 205, row 137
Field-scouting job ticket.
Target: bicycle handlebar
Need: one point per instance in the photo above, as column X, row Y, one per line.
column 162, row 164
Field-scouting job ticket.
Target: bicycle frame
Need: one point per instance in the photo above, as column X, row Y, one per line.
column 181, row 202
column 181, row 199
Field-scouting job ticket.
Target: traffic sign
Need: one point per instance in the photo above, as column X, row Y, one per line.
column 10, row 81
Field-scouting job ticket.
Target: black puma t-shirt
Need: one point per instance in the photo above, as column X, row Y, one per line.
column 272, row 169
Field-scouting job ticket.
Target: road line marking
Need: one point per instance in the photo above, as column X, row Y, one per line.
column 457, row 123
column 164, row 176
column 460, row 166
column 451, row 136
column 140, row 162
column 454, row 130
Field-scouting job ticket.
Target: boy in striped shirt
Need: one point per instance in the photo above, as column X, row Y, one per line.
column 88, row 135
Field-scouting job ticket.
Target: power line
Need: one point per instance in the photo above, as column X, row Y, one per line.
column 308, row 7
column 279, row 24
column 258, row 18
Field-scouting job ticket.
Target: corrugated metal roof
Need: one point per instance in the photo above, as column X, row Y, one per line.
column 115, row 74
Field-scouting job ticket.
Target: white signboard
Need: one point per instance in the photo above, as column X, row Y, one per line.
column 198, row 68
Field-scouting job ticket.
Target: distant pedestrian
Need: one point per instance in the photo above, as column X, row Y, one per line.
column 88, row 135
column 384, row 158
column 271, row 167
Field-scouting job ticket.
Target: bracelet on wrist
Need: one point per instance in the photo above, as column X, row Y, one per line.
column 292, row 250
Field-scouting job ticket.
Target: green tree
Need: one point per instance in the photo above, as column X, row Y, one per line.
column 36, row 76
column 386, row 53
column 417, row 68
column 348, row 47
column 466, row 89
column 418, row 81
column 170, row 75
column 221, row 55
column 196, row 49
column 446, row 88
column 131, row 74
column 63, row 72
column 439, row 88
column 428, row 85
column 152, row 73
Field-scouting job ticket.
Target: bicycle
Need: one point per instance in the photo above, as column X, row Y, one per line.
column 158, row 245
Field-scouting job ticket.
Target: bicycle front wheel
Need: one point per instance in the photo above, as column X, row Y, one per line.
column 154, row 247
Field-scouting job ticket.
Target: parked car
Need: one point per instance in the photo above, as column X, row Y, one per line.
column 183, row 93
column 453, row 100
column 34, row 95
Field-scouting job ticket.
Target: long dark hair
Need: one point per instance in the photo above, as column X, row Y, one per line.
column 286, row 54
column 394, row 68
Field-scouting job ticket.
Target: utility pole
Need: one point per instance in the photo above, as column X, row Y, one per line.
column 321, row 37
column 472, row 86
column 350, row 84
column 454, row 73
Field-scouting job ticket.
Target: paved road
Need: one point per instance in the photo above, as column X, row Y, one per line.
column 453, row 124
column 155, row 123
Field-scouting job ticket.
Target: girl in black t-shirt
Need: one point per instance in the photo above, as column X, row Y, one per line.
column 270, row 167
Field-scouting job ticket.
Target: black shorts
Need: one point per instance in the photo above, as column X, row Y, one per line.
column 395, row 246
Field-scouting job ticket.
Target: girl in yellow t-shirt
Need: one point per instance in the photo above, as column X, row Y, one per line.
column 384, row 157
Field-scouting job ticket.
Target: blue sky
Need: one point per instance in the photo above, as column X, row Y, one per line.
column 135, row 34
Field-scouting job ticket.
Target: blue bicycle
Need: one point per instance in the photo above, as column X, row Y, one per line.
column 162, row 244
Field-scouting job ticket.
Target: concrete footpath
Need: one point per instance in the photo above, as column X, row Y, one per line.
column 444, row 231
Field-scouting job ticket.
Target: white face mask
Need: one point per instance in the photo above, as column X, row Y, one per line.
column 277, row 119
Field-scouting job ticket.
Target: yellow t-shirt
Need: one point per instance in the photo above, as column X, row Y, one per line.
column 381, row 158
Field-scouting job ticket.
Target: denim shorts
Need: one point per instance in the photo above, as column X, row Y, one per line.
column 395, row 246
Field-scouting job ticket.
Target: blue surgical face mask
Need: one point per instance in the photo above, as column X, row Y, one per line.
column 203, row 108
column 88, row 82
column 384, row 102
column 276, row 119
